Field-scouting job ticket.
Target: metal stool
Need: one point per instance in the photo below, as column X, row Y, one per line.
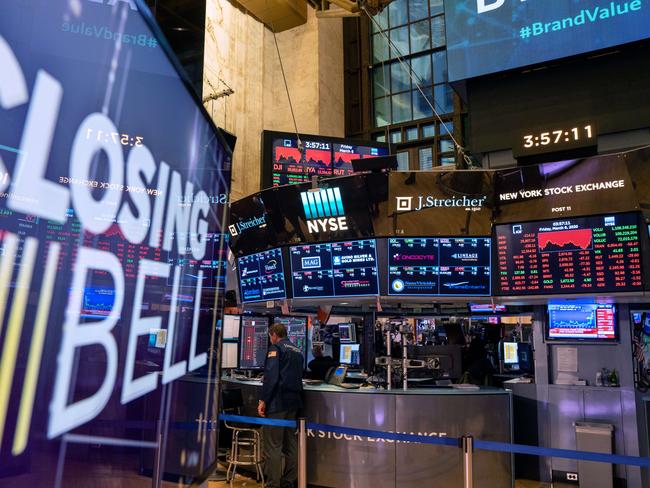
column 243, row 436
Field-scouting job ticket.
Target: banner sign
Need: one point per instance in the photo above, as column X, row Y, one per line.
column 113, row 184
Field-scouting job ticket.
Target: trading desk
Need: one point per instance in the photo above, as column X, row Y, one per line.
column 337, row 460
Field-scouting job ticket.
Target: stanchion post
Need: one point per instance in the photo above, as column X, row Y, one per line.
column 468, row 460
column 302, row 453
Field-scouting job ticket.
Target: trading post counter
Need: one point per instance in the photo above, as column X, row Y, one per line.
column 336, row 460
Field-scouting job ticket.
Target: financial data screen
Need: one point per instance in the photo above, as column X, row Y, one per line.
column 254, row 342
column 335, row 269
column 582, row 321
column 426, row 266
column 296, row 330
column 577, row 255
column 261, row 276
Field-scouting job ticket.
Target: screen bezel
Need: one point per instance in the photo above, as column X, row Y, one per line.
column 377, row 267
column 241, row 324
column 386, row 265
column 643, row 248
column 284, row 277
column 588, row 340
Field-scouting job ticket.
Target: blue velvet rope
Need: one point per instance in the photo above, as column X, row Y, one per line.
column 453, row 441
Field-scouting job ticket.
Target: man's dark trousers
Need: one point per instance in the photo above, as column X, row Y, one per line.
column 280, row 441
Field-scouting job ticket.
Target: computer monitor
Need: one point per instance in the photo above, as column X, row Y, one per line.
column 350, row 354
column 510, row 353
column 229, row 355
column 254, row 342
column 347, row 333
column 230, row 328
column 296, row 330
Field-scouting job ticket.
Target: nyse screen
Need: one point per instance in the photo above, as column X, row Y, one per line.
column 113, row 185
column 426, row 266
column 578, row 255
column 261, row 276
column 582, row 321
column 254, row 342
column 296, row 330
column 344, row 154
column 335, row 270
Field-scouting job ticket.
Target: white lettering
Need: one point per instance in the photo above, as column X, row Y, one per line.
column 483, row 7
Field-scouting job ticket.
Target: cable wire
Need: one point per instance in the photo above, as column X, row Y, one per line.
column 286, row 87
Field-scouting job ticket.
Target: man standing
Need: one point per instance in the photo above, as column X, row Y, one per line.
column 281, row 399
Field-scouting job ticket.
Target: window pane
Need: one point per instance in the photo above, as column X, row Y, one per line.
column 381, row 80
column 426, row 158
column 397, row 11
column 382, row 20
column 447, row 160
column 379, row 137
column 422, row 68
column 437, row 7
column 400, row 80
column 420, row 37
column 379, row 48
column 396, row 136
column 403, row 161
column 418, row 9
column 438, row 31
column 440, row 66
column 446, row 145
column 428, row 130
column 444, row 100
column 422, row 109
column 402, row 108
column 400, row 39
column 382, row 112
column 412, row 134
column 447, row 128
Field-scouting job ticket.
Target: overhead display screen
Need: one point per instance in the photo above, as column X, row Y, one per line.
column 577, row 255
column 584, row 321
column 338, row 269
column 286, row 163
column 261, row 276
column 439, row 266
column 488, row 36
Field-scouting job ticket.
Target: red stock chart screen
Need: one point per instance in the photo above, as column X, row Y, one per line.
column 577, row 255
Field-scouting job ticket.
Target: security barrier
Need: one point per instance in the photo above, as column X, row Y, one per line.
column 467, row 443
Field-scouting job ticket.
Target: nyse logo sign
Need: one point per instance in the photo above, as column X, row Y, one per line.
column 483, row 6
column 324, row 210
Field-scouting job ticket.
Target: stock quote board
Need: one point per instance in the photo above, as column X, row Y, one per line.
column 572, row 255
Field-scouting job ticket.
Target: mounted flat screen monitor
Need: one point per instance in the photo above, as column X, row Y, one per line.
column 347, row 333
column 338, row 269
column 284, row 163
column 254, row 342
column 229, row 355
column 296, row 330
column 350, row 354
column 582, row 322
column 230, row 329
column 571, row 255
column 433, row 266
column 261, row 276
column 510, row 353
column 487, row 308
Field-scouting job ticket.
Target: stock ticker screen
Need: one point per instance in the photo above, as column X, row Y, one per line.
column 336, row 269
column 578, row 255
column 582, row 321
column 261, row 276
column 439, row 266
column 254, row 342
column 296, row 330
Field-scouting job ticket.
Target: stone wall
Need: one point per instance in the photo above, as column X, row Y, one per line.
column 240, row 51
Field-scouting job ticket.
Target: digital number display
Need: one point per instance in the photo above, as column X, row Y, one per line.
column 439, row 266
column 556, row 139
column 582, row 322
column 579, row 255
column 335, row 270
column 261, row 276
column 254, row 342
column 344, row 154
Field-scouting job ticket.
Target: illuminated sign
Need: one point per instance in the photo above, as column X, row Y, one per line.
column 406, row 204
column 243, row 225
column 324, row 210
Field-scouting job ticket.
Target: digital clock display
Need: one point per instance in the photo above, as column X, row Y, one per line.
column 114, row 137
column 556, row 139
column 578, row 255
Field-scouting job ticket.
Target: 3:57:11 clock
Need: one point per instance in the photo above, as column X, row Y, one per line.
column 560, row 137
